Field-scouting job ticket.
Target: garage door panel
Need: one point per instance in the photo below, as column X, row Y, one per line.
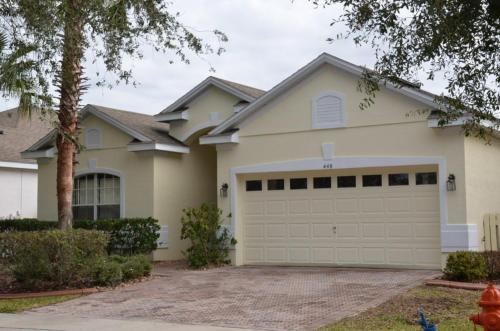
column 276, row 231
column 322, row 230
column 321, row 206
column 323, row 255
column 375, row 230
column 299, row 231
column 371, row 205
column 399, row 230
column 276, row 254
column 375, row 226
column 348, row 255
column 373, row 255
column 301, row 207
column 347, row 230
column 276, row 207
column 346, row 206
column 254, row 208
column 400, row 255
column 299, row 254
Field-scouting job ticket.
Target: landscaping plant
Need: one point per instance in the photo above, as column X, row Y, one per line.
column 57, row 259
column 127, row 236
column 210, row 239
column 466, row 266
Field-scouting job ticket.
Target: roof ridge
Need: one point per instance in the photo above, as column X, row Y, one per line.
column 120, row 110
column 236, row 83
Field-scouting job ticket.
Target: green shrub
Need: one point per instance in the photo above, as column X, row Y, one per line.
column 108, row 273
column 210, row 240
column 126, row 236
column 135, row 267
column 492, row 260
column 52, row 259
column 465, row 266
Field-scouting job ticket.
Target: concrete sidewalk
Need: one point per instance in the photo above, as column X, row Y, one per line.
column 49, row 322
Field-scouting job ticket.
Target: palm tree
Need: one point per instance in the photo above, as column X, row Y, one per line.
column 17, row 78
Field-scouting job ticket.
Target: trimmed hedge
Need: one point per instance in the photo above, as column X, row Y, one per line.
column 127, row 236
column 53, row 259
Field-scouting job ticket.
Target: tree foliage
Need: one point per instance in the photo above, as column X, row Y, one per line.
column 58, row 36
column 459, row 39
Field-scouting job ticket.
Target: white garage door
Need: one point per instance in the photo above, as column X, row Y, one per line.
column 387, row 217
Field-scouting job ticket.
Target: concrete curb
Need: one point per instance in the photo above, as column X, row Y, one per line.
column 28, row 295
column 457, row 285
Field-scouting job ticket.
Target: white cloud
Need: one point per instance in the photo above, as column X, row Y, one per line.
column 268, row 40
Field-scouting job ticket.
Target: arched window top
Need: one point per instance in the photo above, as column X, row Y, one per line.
column 328, row 110
column 93, row 138
column 97, row 196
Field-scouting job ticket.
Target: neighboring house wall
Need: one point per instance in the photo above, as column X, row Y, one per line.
column 135, row 167
column 182, row 181
column 389, row 128
column 205, row 111
column 482, row 161
column 18, row 193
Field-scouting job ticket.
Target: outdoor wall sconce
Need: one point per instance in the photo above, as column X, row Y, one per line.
column 223, row 190
column 450, row 183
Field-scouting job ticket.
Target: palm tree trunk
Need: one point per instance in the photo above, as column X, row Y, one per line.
column 70, row 92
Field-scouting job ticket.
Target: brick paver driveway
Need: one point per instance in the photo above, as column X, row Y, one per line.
column 267, row 298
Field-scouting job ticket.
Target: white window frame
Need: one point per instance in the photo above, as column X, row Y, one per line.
column 95, row 203
column 88, row 145
column 319, row 125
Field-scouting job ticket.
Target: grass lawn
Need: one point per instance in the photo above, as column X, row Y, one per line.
column 450, row 308
column 17, row 305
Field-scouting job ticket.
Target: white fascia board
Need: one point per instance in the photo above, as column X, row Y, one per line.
column 18, row 165
column 200, row 88
column 303, row 73
column 43, row 154
column 157, row 147
column 42, row 141
column 173, row 116
column 220, row 139
column 434, row 122
column 117, row 124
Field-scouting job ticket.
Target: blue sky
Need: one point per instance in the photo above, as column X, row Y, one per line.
column 268, row 41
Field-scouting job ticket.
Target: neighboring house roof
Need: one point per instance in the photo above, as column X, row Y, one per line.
column 18, row 133
column 244, row 92
column 409, row 90
column 146, row 132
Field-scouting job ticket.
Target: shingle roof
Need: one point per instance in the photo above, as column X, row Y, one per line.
column 142, row 123
column 18, row 133
column 249, row 90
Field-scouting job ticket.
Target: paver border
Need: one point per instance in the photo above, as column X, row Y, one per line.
column 29, row 295
column 457, row 285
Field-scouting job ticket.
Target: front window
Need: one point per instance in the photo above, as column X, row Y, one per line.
column 96, row 196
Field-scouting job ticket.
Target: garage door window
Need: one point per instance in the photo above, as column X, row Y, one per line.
column 372, row 180
column 322, row 182
column 275, row 184
column 398, row 179
column 298, row 183
column 254, row 185
column 346, row 181
column 426, row 178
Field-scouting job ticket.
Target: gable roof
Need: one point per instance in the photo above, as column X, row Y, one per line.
column 244, row 92
column 141, row 127
column 18, row 133
column 413, row 92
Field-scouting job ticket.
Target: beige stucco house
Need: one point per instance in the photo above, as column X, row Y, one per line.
column 305, row 176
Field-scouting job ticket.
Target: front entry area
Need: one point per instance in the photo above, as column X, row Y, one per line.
column 377, row 217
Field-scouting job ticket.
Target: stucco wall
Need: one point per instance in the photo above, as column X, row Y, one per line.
column 182, row 181
column 281, row 131
column 135, row 167
column 212, row 100
column 18, row 193
column 482, row 177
